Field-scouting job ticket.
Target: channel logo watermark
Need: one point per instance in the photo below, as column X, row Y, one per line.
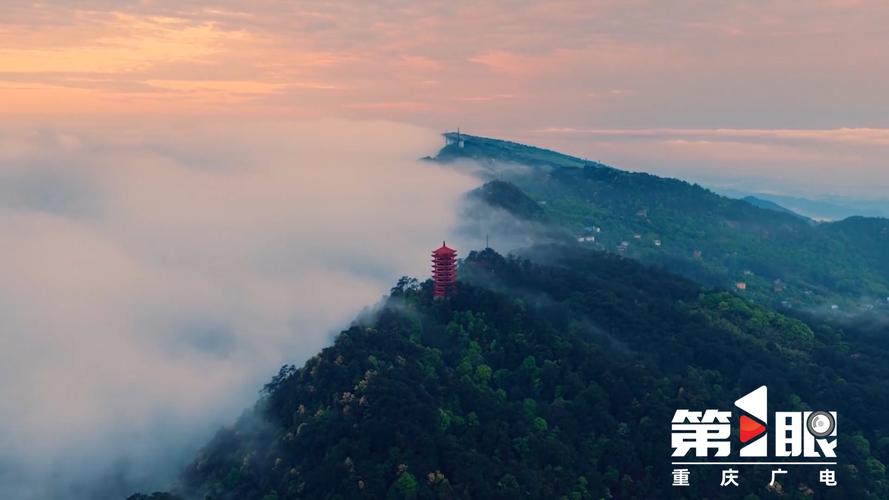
column 798, row 438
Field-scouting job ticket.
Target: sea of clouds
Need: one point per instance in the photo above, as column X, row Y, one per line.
column 155, row 276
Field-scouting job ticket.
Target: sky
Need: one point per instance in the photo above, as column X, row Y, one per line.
column 783, row 95
column 193, row 193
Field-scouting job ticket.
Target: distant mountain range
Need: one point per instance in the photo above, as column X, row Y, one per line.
column 831, row 209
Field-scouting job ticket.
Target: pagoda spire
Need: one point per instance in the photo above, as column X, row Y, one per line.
column 444, row 270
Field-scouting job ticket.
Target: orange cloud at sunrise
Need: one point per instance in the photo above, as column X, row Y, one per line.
column 352, row 58
column 507, row 69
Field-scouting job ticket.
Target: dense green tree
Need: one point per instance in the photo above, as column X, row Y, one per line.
column 548, row 380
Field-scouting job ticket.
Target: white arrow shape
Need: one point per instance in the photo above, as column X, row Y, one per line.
column 756, row 403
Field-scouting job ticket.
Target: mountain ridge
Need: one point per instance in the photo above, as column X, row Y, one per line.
column 461, row 145
column 782, row 259
column 770, row 205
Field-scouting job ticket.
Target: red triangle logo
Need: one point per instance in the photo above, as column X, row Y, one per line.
column 750, row 428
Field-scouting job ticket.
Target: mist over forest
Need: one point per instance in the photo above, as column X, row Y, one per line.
column 156, row 277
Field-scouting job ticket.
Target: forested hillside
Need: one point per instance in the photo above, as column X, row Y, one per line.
column 554, row 379
column 777, row 258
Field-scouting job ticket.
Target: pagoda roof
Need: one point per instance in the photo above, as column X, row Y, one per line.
column 444, row 250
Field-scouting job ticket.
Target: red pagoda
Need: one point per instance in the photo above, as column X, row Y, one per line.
column 444, row 270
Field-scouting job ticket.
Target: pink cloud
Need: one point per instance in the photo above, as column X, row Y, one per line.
column 709, row 69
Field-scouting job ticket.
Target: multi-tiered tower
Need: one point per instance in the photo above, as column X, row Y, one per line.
column 444, row 270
